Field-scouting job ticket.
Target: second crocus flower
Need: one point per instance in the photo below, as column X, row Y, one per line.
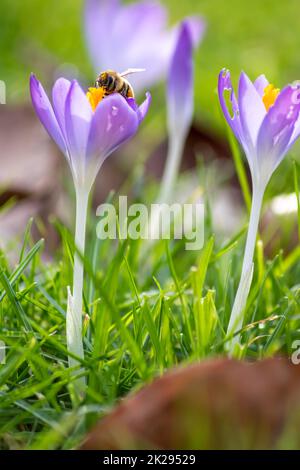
column 180, row 108
column 266, row 122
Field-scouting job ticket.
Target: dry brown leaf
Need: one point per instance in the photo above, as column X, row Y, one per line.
column 215, row 404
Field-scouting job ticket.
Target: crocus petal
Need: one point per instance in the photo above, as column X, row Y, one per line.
column 252, row 112
column 260, row 84
column 44, row 110
column 233, row 118
column 141, row 26
column 99, row 17
column 296, row 133
column 113, row 123
column 296, row 130
column 276, row 131
column 180, row 84
column 60, row 92
column 136, row 22
column 143, row 108
column 78, row 114
column 197, row 27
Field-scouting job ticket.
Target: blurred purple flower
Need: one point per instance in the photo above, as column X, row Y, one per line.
column 266, row 122
column 135, row 35
column 86, row 137
column 180, row 107
column 180, row 88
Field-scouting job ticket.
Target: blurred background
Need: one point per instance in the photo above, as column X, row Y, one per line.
column 47, row 38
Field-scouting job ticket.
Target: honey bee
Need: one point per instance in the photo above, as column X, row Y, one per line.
column 114, row 82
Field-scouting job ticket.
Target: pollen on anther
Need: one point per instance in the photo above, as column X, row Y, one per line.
column 95, row 95
column 270, row 96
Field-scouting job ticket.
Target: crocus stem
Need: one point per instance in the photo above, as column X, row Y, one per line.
column 74, row 313
column 175, row 150
column 236, row 318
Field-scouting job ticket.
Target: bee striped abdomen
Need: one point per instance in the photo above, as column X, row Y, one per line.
column 124, row 90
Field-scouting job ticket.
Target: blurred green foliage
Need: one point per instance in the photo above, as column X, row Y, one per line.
column 257, row 36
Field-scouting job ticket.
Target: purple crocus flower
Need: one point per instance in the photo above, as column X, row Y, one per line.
column 263, row 119
column 86, row 136
column 135, row 35
column 180, row 106
column 86, row 128
column 266, row 122
column 180, row 87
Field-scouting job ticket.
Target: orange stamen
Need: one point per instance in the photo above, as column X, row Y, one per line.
column 95, row 95
column 270, row 96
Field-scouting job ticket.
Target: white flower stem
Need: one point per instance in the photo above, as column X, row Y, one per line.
column 74, row 312
column 175, row 149
column 236, row 318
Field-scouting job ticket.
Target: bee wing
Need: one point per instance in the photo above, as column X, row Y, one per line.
column 130, row 71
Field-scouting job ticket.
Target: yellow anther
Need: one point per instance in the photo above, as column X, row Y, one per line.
column 95, row 95
column 270, row 96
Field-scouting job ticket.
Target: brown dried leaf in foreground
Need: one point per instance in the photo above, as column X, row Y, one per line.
column 216, row 404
